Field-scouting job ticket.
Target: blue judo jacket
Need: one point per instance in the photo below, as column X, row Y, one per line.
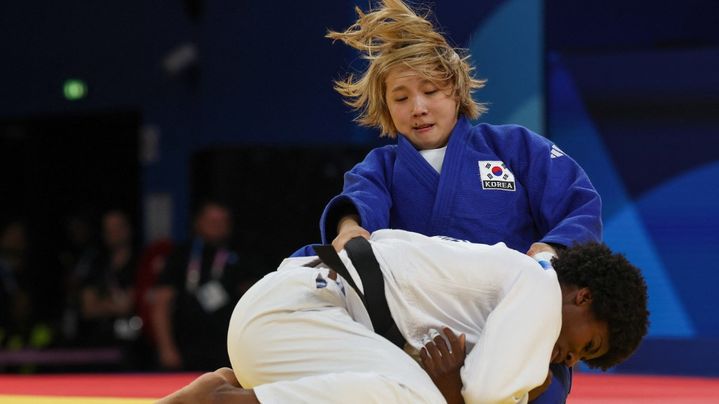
column 498, row 184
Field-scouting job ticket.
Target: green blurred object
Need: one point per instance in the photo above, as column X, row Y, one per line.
column 41, row 336
column 74, row 89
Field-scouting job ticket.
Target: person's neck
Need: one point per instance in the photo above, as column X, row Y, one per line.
column 120, row 256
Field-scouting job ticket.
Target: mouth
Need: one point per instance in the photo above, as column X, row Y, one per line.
column 423, row 127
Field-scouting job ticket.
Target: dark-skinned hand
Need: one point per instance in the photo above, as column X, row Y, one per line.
column 443, row 363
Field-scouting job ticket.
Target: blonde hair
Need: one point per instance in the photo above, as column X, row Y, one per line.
column 394, row 35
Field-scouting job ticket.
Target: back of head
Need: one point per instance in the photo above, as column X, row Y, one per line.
column 393, row 35
column 619, row 296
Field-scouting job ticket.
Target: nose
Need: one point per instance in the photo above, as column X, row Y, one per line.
column 419, row 107
column 571, row 359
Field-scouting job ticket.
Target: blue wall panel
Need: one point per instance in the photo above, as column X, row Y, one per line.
column 636, row 103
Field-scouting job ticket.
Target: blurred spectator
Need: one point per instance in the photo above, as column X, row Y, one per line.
column 152, row 263
column 107, row 307
column 21, row 324
column 15, row 294
column 196, row 293
column 78, row 252
column 79, row 242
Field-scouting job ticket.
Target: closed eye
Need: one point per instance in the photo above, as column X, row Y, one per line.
column 592, row 350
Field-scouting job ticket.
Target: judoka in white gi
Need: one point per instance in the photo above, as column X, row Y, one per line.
column 300, row 336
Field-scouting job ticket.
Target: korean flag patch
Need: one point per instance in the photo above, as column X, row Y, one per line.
column 496, row 175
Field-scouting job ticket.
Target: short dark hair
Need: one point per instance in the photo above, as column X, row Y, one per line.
column 208, row 202
column 619, row 296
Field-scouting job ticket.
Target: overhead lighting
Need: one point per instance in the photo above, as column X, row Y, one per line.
column 74, row 89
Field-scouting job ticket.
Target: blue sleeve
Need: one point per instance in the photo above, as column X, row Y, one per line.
column 559, row 387
column 565, row 206
column 366, row 192
column 306, row 251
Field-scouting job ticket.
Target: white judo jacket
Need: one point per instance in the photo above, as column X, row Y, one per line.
column 508, row 306
column 298, row 337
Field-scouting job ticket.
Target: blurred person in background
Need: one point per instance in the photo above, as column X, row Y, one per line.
column 15, row 281
column 23, row 323
column 196, row 292
column 107, row 309
column 151, row 264
column 79, row 242
column 78, row 251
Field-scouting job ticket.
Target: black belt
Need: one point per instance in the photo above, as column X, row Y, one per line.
column 360, row 253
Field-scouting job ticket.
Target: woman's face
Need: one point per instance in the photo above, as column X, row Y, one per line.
column 582, row 337
column 421, row 110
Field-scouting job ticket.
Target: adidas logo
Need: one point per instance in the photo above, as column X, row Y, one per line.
column 556, row 152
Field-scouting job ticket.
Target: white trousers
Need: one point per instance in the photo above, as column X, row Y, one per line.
column 292, row 339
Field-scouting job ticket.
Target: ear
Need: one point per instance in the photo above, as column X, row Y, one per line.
column 583, row 297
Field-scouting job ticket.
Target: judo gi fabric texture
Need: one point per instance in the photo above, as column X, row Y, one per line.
column 498, row 184
column 298, row 336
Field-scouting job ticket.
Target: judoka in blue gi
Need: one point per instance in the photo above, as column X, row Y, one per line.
column 445, row 176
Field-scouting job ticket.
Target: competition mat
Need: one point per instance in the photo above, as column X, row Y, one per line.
column 146, row 388
column 90, row 389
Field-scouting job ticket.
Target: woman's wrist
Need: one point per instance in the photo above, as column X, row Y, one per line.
column 347, row 221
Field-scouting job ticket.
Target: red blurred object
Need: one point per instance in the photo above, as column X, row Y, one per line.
column 152, row 262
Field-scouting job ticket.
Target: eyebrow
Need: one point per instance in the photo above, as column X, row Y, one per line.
column 397, row 88
column 403, row 87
